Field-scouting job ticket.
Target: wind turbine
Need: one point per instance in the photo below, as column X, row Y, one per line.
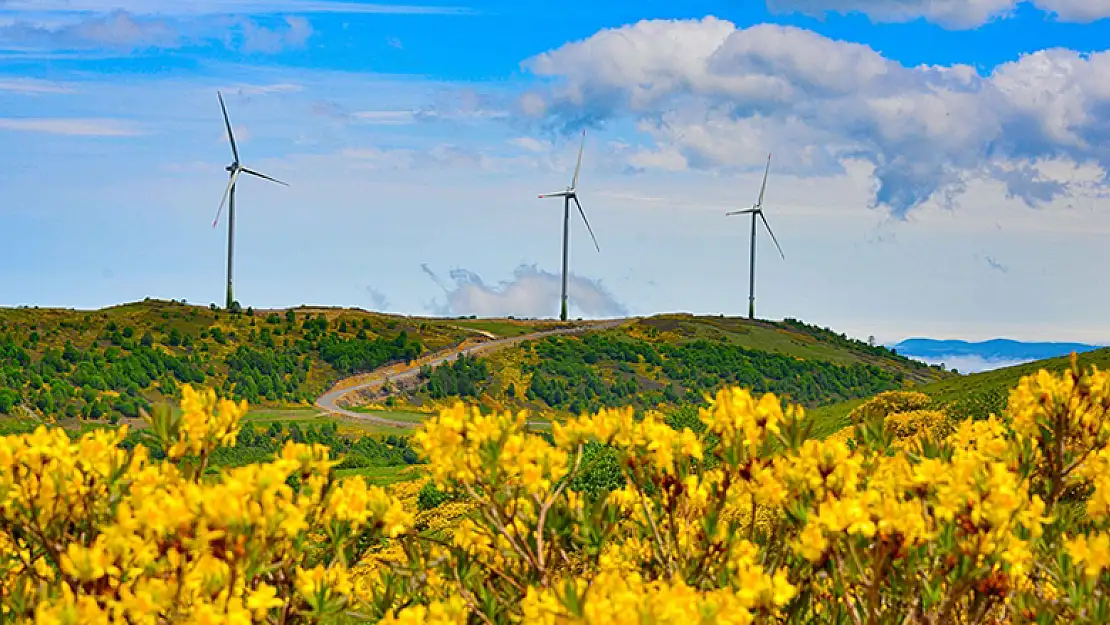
column 571, row 193
column 755, row 211
column 234, row 169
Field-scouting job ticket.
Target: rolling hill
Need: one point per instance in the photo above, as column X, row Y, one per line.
column 108, row 363
column 671, row 360
column 975, row 396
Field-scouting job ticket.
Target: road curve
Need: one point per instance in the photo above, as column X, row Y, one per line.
column 327, row 401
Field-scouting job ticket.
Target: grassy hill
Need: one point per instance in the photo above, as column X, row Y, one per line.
column 671, row 360
column 106, row 364
column 975, row 396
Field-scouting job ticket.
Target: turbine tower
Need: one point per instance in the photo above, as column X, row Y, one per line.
column 571, row 193
column 234, row 169
column 755, row 211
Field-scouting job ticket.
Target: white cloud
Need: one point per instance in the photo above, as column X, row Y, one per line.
column 71, row 126
column 116, row 30
column 29, row 86
column 1077, row 10
column 954, row 14
column 531, row 293
column 388, row 118
column 971, row 364
column 950, row 13
column 720, row 98
column 251, row 90
column 530, row 144
column 270, row 40
column 122, row 31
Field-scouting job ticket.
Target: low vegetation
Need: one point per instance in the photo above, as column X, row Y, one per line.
column 109, row 364
column 727, row 513
column 672, row 361
column 974, row 396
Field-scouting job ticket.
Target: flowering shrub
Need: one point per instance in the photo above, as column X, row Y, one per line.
column 880, row 406
column 93, row 533
column 917, row 425
column 750, row 520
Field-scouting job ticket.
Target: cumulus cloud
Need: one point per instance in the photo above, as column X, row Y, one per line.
column 713, row 96
column 531, row 293
column 954, row 14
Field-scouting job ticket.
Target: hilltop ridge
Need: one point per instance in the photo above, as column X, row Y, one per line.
column 668, row 360
column 110, row 363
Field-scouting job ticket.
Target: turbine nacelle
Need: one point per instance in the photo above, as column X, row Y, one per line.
column 235, row 168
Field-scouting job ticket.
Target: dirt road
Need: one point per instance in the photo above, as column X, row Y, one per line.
column 397, row 374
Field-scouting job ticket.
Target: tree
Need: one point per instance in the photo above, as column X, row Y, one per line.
column 147, row 340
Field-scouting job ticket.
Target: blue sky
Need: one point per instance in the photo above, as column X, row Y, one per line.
column 940, row 167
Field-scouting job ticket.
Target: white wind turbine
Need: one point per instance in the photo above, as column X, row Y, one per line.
column 229, row 196
column 755, row 211
column 571, row 193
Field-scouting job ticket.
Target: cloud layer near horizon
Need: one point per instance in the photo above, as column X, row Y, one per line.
column 716, row 97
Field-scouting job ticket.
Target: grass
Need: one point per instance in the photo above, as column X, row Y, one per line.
column 394, row 415
column 975, row 396
column 496, row 327
column 384, row 476
column 807, row 343
column 305, row 417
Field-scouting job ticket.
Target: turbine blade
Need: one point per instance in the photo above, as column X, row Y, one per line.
column 255, row 173
column 583, row 213
column 771, row 232
column 763, row 189
column 555, row 194
column 743, row 212
column 227, row 122
column 578, row 167
column 227, row 192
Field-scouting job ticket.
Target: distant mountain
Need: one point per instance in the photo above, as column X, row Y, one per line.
column 985, row 355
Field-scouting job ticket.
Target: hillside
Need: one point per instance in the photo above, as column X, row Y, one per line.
column 975, row 396
column 980, row 394
column 670, row 360
column 108, row 363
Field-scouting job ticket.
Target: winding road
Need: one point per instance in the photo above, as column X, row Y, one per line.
column 375, row 379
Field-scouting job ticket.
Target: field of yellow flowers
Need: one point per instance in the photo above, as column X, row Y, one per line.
column 910, row 516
